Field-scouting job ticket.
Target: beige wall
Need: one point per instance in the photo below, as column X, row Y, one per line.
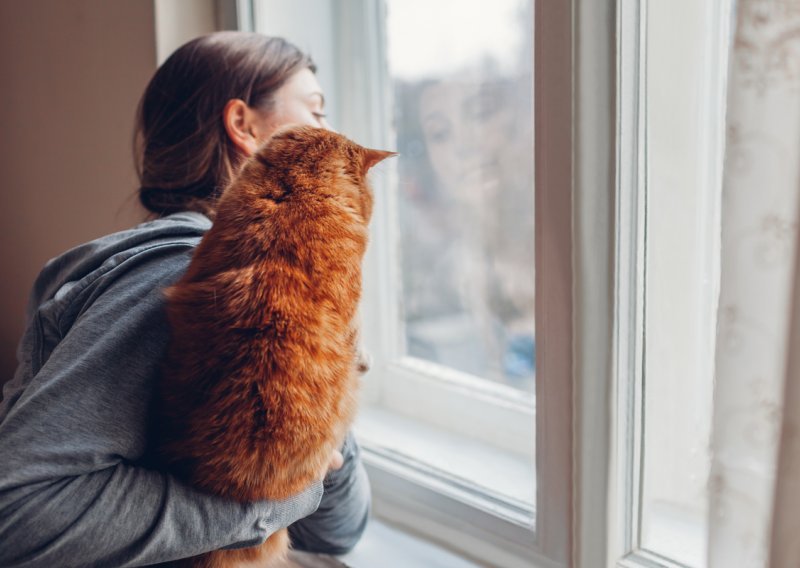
column 71, row 73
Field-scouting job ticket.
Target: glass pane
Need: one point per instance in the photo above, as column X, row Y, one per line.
column 464, row 122
column 682, row 251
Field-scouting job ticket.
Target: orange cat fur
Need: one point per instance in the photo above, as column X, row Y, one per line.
column 260, row 381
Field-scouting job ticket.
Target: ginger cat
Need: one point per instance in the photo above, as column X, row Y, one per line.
column 260, row 380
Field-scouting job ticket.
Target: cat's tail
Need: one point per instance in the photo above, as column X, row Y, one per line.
column 271, row 554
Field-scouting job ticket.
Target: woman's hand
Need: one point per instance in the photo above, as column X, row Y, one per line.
column 337, row 461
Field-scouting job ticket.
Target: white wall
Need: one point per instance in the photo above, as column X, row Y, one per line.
column 290, row 20
column 71, row 74
column 178, row 21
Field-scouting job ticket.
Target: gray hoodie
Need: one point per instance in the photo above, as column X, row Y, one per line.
column 74, row 490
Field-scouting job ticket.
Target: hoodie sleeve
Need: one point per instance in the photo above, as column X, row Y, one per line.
column 340, row 520
column 72, row 488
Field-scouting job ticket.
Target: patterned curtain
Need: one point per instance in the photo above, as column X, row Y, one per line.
column 757, row 395
column 785, row 550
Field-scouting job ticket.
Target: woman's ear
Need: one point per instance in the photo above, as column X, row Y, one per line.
column 239, row 120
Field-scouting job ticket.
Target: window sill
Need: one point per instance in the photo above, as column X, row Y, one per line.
column 388, row 547
column 468, row 466
column 439, row 498
column 411, row 467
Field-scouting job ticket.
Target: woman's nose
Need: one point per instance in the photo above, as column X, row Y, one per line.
column 326, row 125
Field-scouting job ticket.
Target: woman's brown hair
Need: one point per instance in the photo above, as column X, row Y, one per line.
column 184, row 158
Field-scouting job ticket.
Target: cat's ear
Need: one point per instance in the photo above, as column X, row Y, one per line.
column 372, row 157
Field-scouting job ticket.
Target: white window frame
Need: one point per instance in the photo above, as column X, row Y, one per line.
column 629, row 293
column 444, row 398
column 625, row 546
column 406, row 492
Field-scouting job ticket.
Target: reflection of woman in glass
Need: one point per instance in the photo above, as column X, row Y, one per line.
column 474, row 219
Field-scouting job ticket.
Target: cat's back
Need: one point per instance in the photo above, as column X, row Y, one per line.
column 261, row 367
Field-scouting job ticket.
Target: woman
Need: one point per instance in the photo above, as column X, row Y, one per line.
column 74, row 486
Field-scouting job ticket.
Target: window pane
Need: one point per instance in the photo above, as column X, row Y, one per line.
column 682, row 251
column 464, row 124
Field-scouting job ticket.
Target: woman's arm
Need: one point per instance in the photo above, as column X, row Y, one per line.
column 130, row 516
column 72, row 491
column 342, row 515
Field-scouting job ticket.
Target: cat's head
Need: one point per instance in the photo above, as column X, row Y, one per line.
column 310, row 161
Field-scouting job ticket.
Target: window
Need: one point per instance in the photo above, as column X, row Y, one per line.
column 452, row 403
column 464, row 129
column 602, row 383
column 458, row 354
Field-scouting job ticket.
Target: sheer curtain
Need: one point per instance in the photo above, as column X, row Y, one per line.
column 786, row 519
column 754, row 487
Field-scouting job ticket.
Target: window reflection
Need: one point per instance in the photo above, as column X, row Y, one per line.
column 465, row 136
